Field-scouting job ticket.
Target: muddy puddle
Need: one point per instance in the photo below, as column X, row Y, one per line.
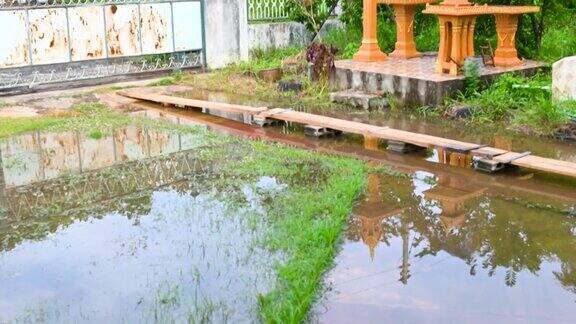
column 127, row 228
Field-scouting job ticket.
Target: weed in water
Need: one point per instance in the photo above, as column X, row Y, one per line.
column 306, row 224
column 96, row 134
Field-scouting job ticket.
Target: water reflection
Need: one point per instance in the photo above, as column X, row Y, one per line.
column 128, row 227
column 439, row 248
column 39, row 156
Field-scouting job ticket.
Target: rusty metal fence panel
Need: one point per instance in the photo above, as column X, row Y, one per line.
column 47, row 41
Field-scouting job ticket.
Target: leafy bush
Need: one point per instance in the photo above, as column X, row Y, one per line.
column 471, row 78
column 312, row 13
column 558, row 43
column 521, row 101
column 346, row 40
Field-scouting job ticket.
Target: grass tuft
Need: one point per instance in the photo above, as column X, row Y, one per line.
column 305, row 224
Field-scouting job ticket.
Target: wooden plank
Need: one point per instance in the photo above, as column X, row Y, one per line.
column 186, row 102
column 422, row 140
column 329, row 122
column 387, row 133
column 488, row 152
column 547, row 165
column 509, row 157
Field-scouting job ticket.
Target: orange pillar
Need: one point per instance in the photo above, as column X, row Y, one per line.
column 405, row 46
column 369, row 50
column 456, row 53
column 506, row 54
column 444, row 44
column 471, row 28
column 456, row 42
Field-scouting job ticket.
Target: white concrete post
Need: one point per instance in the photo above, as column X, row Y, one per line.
column 226, row 32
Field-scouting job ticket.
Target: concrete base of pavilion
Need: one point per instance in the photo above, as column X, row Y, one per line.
column 413, row 81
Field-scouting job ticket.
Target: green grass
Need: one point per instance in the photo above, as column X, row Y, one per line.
column 264, row 59
column 12, row 126
column 174, row 78
column 94, row 118
column 306, row 223
column 520, row 102
column 3, row 104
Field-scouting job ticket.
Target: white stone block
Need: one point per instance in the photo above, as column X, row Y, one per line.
column 564, row 79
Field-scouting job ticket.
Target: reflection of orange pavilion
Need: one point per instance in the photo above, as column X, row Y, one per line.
column 452, row 193
column 452, row 158
column 372, row 212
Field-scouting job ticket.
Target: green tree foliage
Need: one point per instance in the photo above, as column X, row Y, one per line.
column 312, row 13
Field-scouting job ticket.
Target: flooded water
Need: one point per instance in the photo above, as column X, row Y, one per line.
column 445, row 244
column 441, row 249
column 128, row 227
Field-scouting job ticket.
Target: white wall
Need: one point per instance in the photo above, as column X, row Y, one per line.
column 229, row 37
column 283, row 34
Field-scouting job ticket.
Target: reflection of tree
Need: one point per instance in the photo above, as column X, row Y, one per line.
column 567, row 276
column 493, row 234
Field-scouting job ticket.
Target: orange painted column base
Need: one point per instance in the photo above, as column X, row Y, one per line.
column 369, row 50
column 405, row 46
column 506, row 53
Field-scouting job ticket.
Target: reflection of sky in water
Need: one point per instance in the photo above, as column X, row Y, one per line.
column 443, row 286
column 187, row 255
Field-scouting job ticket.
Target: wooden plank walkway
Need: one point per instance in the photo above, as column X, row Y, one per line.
column 386, row 133
column 191, row 103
